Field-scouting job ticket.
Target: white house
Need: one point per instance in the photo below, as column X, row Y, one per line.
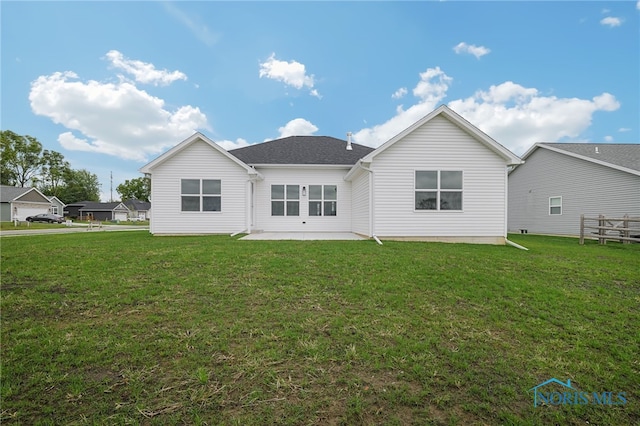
column 440, row 179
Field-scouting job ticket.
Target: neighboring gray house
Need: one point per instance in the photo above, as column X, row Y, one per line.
column 93, row 210
column 440, row 179
column 19, row 202
column 560, row 181
column 138, row 209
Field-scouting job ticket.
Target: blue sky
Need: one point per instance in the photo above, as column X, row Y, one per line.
column 111, row 85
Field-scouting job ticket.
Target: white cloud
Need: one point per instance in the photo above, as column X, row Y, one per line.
column 290, row 73
column 399, row 93
column 517, row 116
column 514, row 115
column 229, row 145
column 144, row 72
column 430, row 90
column 624, row 129
column 477, row 51
column 111, row 118
column 611, row 21
column 608, row 138
column 297, row 127
column 638, row 5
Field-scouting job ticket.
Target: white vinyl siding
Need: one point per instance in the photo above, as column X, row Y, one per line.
column 198, row 161
column 302, row 177
column 360, row 203
column 439, row 145
column 586, row 188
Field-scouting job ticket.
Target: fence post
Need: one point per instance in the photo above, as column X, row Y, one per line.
column 626, row 233
column 582, row 229
column 601, row 231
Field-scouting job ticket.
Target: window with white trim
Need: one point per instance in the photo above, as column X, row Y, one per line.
column 285, row 200
column 201, row 195
column 323, row 200
column 555, row 205
column 438, row 190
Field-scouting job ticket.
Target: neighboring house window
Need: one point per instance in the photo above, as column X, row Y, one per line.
column 201, row 195
column 323, row 200
column 438, row 190
column 555, row 205
column 285, row 200
column 54, row 209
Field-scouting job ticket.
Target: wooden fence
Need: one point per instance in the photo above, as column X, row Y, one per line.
column 610, row 228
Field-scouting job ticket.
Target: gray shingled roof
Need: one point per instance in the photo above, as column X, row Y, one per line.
column 95, row 205
column 138, row 205
column 620, row 154
column 8, row 193
column 302, row 150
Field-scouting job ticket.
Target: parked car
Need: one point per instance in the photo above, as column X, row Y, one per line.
column 45, row 217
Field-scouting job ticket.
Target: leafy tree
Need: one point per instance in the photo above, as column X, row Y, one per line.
column 139, row 188
column 80, row 185
column 53, row 172
column 20, row 158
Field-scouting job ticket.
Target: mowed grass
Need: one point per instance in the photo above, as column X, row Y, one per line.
column 125, row 328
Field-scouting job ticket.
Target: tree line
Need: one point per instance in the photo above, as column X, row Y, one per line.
column 23, row 162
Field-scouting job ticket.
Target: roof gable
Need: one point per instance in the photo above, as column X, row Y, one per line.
column 138, row 205
column 15, row 193
column 444, row 111
column 309, row 150
column 55, row 199
column 186, row 143
column 619, row 156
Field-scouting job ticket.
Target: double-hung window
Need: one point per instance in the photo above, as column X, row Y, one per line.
column 555, row 205
column 323, row 200
column 285, row 200
column 438, row 190
column 201, row 195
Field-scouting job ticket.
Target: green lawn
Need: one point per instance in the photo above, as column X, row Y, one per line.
column 126, row 328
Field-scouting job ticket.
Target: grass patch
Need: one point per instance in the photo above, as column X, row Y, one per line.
column 26, row 226
column 125, row 328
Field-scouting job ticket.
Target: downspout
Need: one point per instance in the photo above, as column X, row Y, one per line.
column 371, row 212
column 512, row 244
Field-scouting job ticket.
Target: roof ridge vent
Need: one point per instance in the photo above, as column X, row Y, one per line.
column 349, row 147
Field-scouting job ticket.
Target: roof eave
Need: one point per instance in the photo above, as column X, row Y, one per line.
column 300, row 166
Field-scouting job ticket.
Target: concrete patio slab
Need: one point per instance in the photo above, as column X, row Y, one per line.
column 303, row 236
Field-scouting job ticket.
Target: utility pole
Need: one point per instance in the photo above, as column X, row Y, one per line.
column 111, row 187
